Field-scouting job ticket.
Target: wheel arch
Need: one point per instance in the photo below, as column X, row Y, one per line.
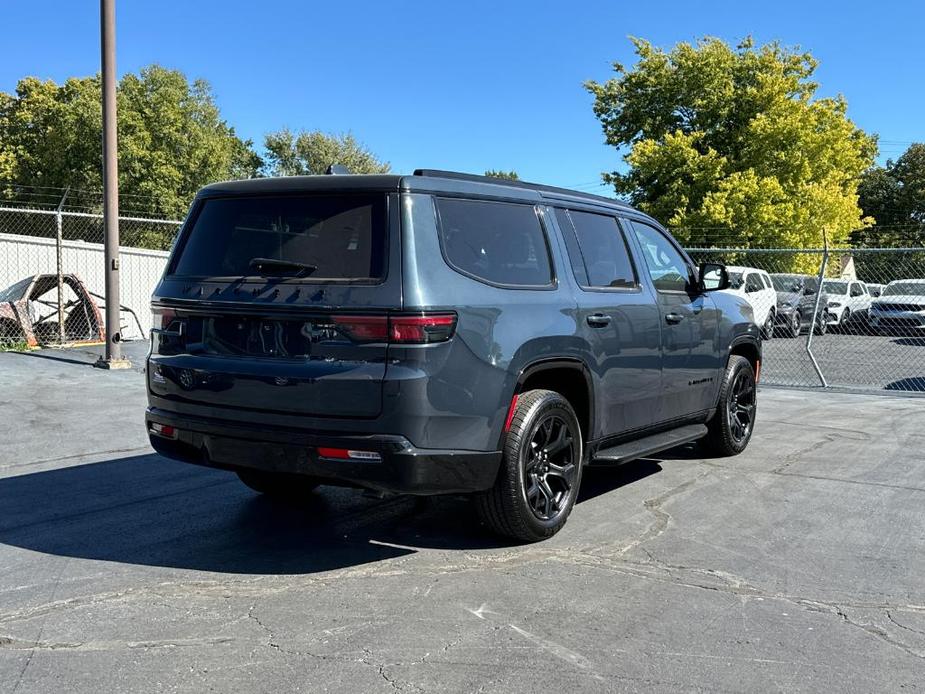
column 748, row 347
column 559, row 374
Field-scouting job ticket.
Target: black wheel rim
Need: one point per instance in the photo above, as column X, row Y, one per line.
column 741, row 406
column 550, row 467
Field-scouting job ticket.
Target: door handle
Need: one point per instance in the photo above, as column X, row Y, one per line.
column 674, row 318
column 598, row 320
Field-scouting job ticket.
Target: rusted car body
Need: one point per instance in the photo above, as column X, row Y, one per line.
column 29, row 312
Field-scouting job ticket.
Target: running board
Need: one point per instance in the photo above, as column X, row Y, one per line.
column 640, row 448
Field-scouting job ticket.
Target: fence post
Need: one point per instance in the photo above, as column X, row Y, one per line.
column 812, row 325
column 59, row 240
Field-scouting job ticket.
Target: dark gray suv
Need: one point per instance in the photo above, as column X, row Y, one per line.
column 440, row 333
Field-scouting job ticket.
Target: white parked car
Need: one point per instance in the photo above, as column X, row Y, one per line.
column 755, row 285
column 849, row 302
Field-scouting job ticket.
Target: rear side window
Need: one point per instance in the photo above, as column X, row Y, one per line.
column 497, row 242
column 597, row 249
column 316, row 238
column 753, row 283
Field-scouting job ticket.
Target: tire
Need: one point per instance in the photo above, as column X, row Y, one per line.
column 821, row 327
column 767, row 330
column 280, row 485
column 793, row 328
column 540, row 470
column 731, row 427
column 844, row 325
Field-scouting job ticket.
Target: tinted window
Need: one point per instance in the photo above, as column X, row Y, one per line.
column 571, row 244
column 753, row 283
column 600, row 249
column 667, row 267
column 323, row 237
column 835, row 287
column 498, row 242
column 766, row 280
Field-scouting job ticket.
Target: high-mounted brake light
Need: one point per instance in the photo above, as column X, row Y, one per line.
column 422, row 328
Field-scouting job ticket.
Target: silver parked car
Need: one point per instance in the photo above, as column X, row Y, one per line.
column 900, row 307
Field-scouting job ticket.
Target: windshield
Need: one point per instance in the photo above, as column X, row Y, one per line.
column 904, row 289
column 787, row 283
column 16, row 291
column 314, row 238
column 835, row 287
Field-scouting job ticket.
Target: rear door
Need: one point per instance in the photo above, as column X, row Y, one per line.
column 691, row 359
column 280, row 303
column 617, row 317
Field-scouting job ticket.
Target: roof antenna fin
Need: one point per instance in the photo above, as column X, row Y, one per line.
column 337, row 170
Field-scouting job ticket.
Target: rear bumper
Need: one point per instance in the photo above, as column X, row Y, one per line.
column 402, row 467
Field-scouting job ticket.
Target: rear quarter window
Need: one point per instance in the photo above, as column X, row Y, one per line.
column 496, row 242
column 335, row 238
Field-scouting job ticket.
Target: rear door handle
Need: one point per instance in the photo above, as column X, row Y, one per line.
column 674, row 317
column 598, row 320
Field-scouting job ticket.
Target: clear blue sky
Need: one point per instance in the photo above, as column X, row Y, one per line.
column 465, row 85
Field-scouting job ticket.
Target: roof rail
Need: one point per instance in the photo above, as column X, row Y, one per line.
column 438, row 173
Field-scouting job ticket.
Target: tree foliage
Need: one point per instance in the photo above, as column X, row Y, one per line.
column 172, row 140
column 894, row 197
column 312, row 152
column 508, row 175
column 731, row 143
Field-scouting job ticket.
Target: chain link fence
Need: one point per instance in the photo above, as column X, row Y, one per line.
column 846, row 317
column 52, row 275
column 852, row 318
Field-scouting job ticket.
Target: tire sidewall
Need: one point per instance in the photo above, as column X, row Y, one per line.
column 736, row 366
column 516, row 451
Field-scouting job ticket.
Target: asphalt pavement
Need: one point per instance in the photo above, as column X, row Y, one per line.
column 864, row 362
column 796, row 566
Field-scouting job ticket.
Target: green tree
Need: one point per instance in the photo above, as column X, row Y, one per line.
column 509, row 175
column 894, row 196
column 172, row 141
column 730, row 144
column 312, row 152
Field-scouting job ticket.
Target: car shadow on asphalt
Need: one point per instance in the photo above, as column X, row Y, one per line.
column 148, row 510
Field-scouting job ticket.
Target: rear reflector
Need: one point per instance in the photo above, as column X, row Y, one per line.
column 165, row 430
column 510, row 414
column 398, row 329
column 347, row 454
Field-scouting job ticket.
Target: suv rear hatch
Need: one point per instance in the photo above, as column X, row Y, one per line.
column 280, row 303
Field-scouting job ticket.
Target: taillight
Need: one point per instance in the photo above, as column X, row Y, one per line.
column 163, row 317
column 398, row 329
column 363, row 328
column 434, row 327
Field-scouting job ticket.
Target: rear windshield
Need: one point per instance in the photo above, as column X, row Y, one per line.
column 315, row 238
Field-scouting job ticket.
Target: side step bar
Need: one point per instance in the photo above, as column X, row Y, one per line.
column 631, row 450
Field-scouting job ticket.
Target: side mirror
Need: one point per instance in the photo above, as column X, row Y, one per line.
column 713, row 276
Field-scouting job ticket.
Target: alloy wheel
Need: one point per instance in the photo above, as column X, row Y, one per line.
column 741, row 406
column 550, row 467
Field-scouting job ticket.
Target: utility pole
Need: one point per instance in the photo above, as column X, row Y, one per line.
column 113, row 357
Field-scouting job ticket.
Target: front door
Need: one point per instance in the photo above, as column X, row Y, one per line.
column 691, row 360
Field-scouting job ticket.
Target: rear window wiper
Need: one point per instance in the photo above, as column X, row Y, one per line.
column 264, row 264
